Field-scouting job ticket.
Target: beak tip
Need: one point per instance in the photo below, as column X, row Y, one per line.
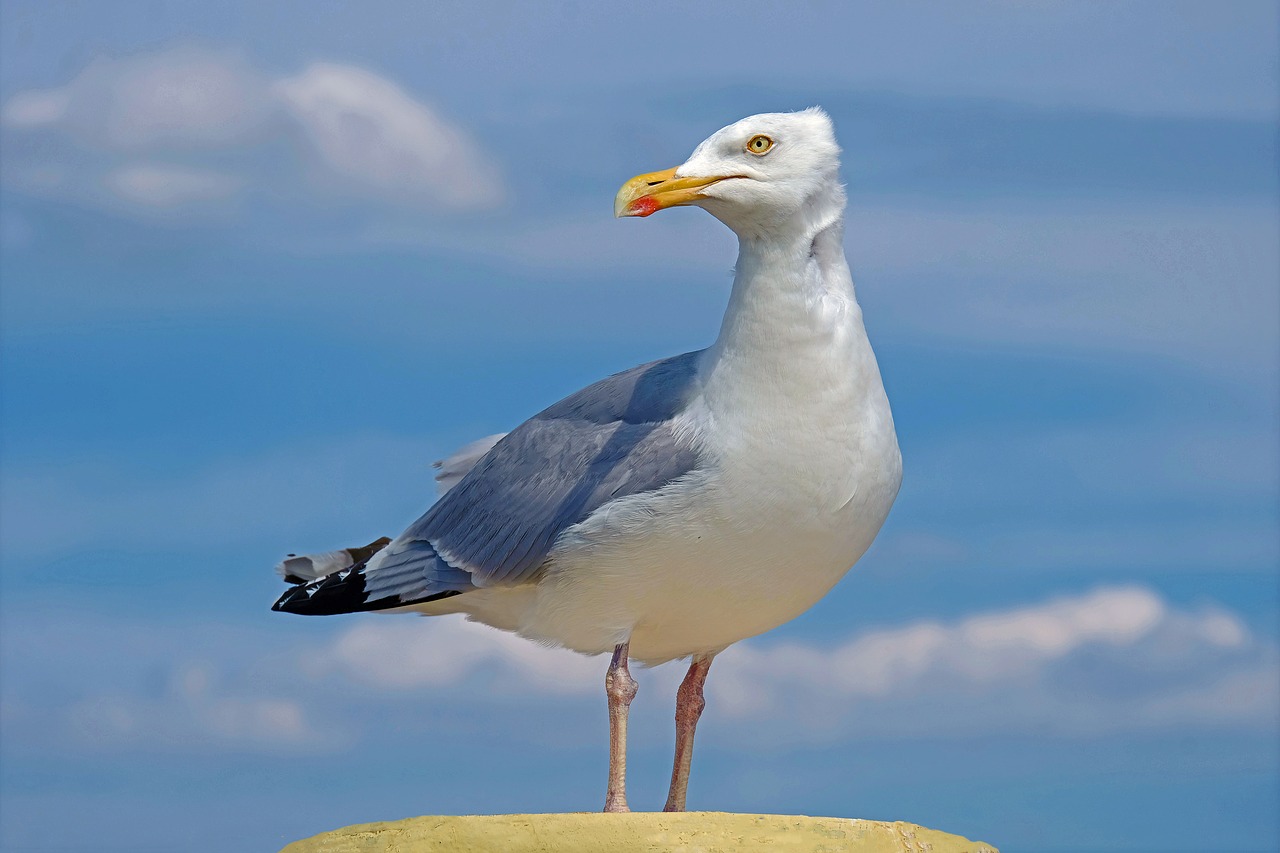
column 642, row 206
column 644, row 195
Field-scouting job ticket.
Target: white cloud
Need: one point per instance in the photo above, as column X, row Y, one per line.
column 167, row 187
column 408, row 653
column 37, row 108
column 180, row 97
column 1111, row 660
column 980, row 649
column 193, row 713
column 364, row 136
column 370, row 132
column 1191, row 283
column 1116, row 658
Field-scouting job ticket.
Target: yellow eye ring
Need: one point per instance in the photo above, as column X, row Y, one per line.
column 759, row 144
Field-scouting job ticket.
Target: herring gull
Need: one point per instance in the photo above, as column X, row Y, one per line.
column 676, row 508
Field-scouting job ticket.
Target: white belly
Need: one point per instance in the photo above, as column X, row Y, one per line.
column 802, row 466
column 709, row 560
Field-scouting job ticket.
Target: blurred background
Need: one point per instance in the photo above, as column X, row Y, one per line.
column 263, row 263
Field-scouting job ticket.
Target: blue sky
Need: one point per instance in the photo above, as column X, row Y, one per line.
column 261, row 266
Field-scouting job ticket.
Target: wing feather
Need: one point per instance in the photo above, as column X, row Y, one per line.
column 607, row 441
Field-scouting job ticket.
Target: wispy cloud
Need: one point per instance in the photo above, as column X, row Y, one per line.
column 194, row 713
column 379, row 140
column 167, row 187
column 1094, row 663
column 1113, row 659
column 218, row 127
column 179, row 98
column 94, row 680
column 413, row 653
column 1116, row 658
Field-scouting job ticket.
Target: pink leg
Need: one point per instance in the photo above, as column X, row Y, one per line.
column 689, row 705
column 621, row 688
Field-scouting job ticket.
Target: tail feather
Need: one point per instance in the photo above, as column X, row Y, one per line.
column 343, row 592
column 310, row 567
column 336, row 581
column 418, row 577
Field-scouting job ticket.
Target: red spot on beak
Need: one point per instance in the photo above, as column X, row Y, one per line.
column 643, row 206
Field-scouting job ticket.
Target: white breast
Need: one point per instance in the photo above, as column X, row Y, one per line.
column 801, row 468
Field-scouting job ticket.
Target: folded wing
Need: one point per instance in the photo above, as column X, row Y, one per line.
column 496, row 526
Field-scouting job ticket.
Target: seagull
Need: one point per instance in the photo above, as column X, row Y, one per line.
column 678, row 507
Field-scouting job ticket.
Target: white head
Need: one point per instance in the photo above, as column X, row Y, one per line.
column 755, row 175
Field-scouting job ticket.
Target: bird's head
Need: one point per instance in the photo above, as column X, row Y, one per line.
column 752, row 175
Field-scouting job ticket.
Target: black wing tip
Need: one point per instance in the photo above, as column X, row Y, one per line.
column 340, row 592
column 343, row 592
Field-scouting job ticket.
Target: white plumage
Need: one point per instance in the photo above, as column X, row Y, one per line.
column 803, row 462
column 675, row 509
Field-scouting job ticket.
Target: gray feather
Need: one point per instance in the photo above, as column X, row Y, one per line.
column 419, row 573
column 607, row 441
column 455, row 466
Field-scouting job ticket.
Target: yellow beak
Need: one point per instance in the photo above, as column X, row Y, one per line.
column 646, row 194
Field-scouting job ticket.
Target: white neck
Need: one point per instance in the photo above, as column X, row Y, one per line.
column 792, row 292
column 791, row 382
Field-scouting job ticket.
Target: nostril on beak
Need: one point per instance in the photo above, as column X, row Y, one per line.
column 654, row 183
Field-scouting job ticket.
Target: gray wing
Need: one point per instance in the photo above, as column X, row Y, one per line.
column 451, row 469
column 607, row 441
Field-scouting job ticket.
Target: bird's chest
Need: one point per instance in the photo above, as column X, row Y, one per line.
column 807, row 477
column 805, row 445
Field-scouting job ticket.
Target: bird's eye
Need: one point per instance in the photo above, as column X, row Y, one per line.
column 759, row 144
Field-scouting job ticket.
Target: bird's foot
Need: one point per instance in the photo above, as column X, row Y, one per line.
column 616, row 806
